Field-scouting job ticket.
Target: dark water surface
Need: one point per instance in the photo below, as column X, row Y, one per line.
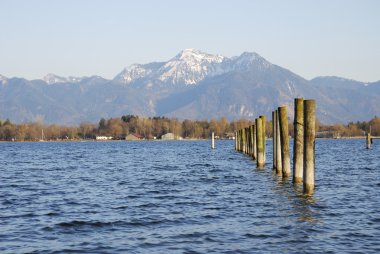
column 181, row 197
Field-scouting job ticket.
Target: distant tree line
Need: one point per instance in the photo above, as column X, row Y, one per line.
column 119, row 128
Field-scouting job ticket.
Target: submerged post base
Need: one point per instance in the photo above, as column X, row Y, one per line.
column 308, row 188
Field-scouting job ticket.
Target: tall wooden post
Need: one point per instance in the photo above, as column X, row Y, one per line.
column 253, row 140
column 212, row 141
column 298, row 141
column 260, row 143
column 284, row 132
column 278, row 145
column 309, row 147
column 263, row 118
column 274, row 139
column 243, row 139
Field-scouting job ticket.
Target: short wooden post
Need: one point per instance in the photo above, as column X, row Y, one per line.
column 368, row 140
column 260, row 144
column 263, row 118
column 284, row 132
column 278, row 146
column 298, row 141
column 309, row 147
column 212, row 141
column 274, row 139
column 236, row 147
column 253, row 140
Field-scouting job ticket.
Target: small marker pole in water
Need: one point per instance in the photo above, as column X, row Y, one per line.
column 260, row 144
column 309, row 147
column 369, row 138
column 298, row 141
column 284, row 132
column 212, row 141
column 278, row 146
column 274, row 139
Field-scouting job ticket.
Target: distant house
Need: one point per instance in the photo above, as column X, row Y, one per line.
column 133, row 137
column 230, row 135
column 168, row 136
column 103, row 138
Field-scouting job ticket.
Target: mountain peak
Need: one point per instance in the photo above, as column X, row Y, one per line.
column 191, row 54
column 3, row 78
column 190, row 66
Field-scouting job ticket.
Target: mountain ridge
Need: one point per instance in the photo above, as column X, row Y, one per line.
column 192, row 84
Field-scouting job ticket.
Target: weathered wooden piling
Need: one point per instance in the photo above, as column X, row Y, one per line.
column 236, row 143
column 284, row 133
column 278, row 146
column 250, row 140
column 255, row 140
column 274, row 139
column 212, row 140
column 309, row 147
column 259, row 143
column 244, row 139
column 263, row 118
column 368, row 138
column 253, row 136
column 298, row 141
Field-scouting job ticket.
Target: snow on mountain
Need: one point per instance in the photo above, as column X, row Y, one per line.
column 132, row 73
column 191, row 66
column 53, row 79
column 3, row 79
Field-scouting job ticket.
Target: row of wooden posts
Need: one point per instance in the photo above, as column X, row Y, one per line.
column 251, row 141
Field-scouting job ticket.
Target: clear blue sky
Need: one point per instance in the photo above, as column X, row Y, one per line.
column 93, row 37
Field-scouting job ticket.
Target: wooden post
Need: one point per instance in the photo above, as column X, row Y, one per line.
column 274, row 139
column 278, row 146
column 255, row 139
column 368, row 140
column 236, row 140
column 284, row 133
column 247, row 136
column 264, row 137
column 250, row 140
column 309, row 147
column 243, row 139
column 212, row 141
column 260, row 144
column 298, row 141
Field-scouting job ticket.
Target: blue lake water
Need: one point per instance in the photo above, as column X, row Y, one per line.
column 182, row 197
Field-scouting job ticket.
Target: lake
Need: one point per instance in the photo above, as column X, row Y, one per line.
column 183, row 197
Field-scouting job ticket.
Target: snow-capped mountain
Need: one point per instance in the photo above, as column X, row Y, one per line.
column 192, row 85
column 191, row 66
column 53, row 79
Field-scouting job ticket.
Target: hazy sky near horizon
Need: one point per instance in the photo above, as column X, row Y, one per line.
column 94, row 37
